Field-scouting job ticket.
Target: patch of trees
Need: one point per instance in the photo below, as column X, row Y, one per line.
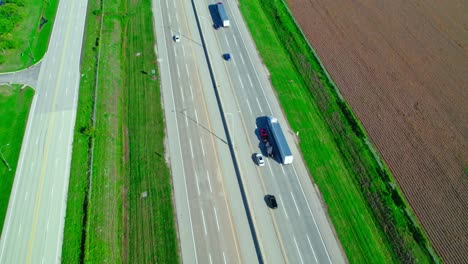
column 11, row 13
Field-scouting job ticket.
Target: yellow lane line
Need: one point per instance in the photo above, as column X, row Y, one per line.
column 46, row 153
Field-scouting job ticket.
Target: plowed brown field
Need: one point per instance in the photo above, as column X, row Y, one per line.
column 403, row 67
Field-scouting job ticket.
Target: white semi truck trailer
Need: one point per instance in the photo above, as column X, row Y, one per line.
column 222, row 14
column 280, row 142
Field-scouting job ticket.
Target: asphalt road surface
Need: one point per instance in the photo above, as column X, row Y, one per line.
column 33, row 228
column 298, row 231
column 212, row 222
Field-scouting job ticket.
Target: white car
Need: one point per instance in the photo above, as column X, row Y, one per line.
column 176, row 38
column 259, row 159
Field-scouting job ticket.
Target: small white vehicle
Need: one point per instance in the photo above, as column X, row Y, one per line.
column 259, row 159
column 176, row 38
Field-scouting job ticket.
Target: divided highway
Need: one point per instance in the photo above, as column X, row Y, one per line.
column 298, row 231
column 212, row 223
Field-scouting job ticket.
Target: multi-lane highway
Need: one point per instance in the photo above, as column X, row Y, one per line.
column 212, row 222
column 212, row 108
column 34, row 222
column 298, row 231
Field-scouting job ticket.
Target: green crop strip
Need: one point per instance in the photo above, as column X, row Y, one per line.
column 372, row 219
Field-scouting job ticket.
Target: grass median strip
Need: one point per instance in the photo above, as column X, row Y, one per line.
column 124, row 212
column 15, row 103
column 372, row 220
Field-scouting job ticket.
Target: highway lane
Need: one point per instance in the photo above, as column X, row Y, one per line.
column 211, row 221
column 303, row 232
column 34, row 222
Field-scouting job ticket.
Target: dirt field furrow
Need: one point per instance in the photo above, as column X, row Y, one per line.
column 402, row 66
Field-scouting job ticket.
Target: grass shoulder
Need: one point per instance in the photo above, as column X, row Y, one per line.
column 15, row 103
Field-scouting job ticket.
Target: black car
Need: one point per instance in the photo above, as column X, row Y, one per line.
column 271, row 201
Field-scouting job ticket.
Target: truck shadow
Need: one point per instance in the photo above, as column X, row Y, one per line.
column 215, row 16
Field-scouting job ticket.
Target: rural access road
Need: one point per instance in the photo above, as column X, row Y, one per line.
column 33, row 228
column 27, row 76
column 211, row 218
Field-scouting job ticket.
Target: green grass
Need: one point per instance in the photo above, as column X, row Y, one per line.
column 368, row 215
column 75, row 221
column 15, row 103
column 29, row 40
column 120, row 226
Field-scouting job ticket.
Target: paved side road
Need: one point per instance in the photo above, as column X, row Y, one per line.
column 28, row 76
column 33, row 228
